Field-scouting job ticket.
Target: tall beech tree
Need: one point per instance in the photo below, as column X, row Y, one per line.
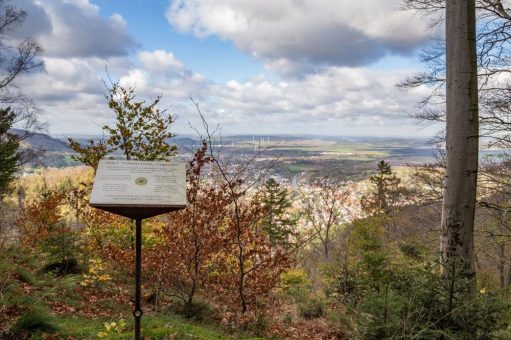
column 462, row 136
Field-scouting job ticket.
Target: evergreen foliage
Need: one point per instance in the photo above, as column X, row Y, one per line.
column 9, row 149
column 398, row 296
column 279, row 224
column 35, row 321
column 386, row 191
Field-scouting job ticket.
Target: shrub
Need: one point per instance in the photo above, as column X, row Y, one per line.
column 63, row 267
column 42, row 225
column 412, row 250
column 25, row 276
column 402, row 295
column 296, row 284
column 97, row 274
column 415, row 304
column 384, row 309
column 62, row 245
column 261, row 325
column 196, row 310
column 313, row 308
column 35, row 321
column 288, row 319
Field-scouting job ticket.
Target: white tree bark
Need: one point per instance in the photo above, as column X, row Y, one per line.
column 462, row 140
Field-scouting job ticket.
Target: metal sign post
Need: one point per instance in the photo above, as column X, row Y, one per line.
column 137, row 313
column 139, row 190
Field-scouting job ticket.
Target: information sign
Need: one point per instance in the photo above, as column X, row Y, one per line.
column 139, row 183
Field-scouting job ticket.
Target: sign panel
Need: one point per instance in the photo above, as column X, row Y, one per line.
column 139, row 183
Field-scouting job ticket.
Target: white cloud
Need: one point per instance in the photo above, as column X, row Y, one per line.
column 74, row 28
column 160, row 61
column 63, row 78
column 287, row 33
column 334, row 98
column 71, row 91
column 37, row 22
column 337, row 95
column 321, row 41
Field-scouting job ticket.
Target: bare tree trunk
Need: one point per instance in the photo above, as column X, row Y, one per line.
column 462, row 140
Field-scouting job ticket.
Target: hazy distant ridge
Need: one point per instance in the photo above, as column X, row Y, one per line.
column 42, row 141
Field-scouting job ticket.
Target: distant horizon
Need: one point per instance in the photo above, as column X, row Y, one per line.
column 259, row 135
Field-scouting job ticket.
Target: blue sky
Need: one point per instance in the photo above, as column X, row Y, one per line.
column 287, row 66
column 217, row 59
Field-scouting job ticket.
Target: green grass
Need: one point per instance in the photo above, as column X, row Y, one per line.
column 35, row 321
column 156, row 326
column 26, row 276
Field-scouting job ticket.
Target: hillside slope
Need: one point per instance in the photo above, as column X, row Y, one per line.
column 36, row 304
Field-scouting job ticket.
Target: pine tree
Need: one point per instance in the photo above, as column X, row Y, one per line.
column 9, row 153
column 278, row 224
column 386, row 191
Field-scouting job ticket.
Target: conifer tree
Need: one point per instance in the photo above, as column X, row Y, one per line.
column 385, row 191
column 9, row 154
column 279, row 224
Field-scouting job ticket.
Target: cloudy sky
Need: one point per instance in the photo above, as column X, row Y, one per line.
column 255, row 67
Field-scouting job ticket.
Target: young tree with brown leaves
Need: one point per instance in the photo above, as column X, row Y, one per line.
column 180, row 262
column 251, row 265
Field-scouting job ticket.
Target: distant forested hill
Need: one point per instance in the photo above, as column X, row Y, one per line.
column 42, row 141
column 49, row 151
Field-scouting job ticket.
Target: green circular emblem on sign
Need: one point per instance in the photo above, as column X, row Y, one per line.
column 141, row 181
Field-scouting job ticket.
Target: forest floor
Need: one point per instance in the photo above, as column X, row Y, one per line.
column 35, row 304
